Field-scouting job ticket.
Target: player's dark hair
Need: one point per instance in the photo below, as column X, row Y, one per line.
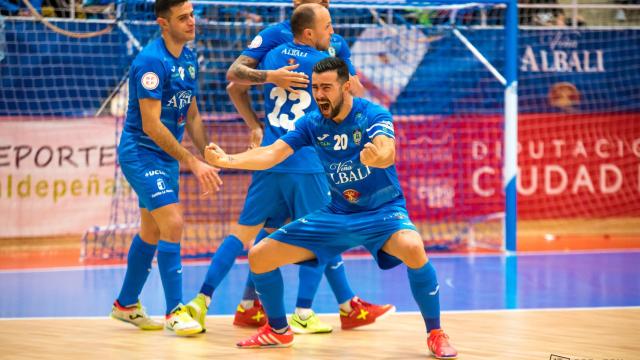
column 303, row 17
column 333, row 63
column 162, row 7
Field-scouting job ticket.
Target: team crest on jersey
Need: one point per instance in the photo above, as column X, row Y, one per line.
column 150, row 80
column 332, row 51
column 291, row 61
column 181, row 72
column 192, row 71
column 357, row 136
column 351, row 195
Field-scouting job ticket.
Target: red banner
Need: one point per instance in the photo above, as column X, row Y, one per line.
column 570, row 165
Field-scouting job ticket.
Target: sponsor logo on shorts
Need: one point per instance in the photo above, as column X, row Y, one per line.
column 351, row 195
column 154, row 172
column 398, row 215
column 161, row 184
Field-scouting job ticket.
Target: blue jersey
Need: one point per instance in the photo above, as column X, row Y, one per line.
column 156, row 74
column 278, row 34
column 354, row 186
column 283, row 108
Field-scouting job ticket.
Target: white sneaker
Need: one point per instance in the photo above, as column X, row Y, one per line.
column 181, row 322
column 136, row 315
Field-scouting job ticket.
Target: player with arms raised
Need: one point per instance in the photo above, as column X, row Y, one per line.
column 354, row 139
column 290, row 190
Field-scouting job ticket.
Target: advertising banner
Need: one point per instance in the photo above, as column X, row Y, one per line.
column 56, row 176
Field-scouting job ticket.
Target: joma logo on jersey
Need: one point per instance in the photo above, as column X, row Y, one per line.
column 346, row 172
column 180, row 99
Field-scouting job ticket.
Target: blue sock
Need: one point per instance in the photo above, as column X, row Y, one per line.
column 170, row 266
column 426, row 292
column 337, row 278
column 138, row 269
column 221, row 263
column 309, row 277
column 250, row 288
column 270, row 288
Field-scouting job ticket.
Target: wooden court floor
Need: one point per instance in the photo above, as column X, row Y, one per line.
column 595, row 334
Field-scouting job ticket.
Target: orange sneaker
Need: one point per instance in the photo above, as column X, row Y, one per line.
column 254, row 317
column 438, row 343
column 267, row 338
column 364, row 313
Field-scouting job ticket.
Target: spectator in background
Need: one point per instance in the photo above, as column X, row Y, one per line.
column 621, row 15
column 541, row 17
column 545, row 17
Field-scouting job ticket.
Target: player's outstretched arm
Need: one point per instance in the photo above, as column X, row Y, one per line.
column 243, row 71
column 379, row 153
column 239, row 95
column 152, row 126
column 260, row 158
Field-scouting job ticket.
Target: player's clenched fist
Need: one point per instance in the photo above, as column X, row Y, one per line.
column 369, row 155
column 215, row 156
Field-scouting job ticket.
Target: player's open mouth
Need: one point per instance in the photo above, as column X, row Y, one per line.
column 324, row 106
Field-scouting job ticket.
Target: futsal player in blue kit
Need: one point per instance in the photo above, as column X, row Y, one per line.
column 354, row 139
column 289, row 190
column 162, row 103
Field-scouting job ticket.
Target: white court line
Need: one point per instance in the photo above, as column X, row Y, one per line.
column 490, row 311
column 191, row 263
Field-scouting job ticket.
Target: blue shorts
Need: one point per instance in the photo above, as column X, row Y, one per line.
column 328, row 234
column 273, row 198
column 154, row 180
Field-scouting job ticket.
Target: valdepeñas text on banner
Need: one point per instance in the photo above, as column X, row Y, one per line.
column 56, row 175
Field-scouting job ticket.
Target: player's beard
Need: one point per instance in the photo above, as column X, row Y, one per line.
column 332, row 110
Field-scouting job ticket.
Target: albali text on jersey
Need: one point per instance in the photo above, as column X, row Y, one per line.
column 354, row 186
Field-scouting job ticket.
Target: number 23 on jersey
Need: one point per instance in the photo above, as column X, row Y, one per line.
column 286, row 120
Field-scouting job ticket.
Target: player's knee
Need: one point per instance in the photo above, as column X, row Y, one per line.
column 257, row 262
column 414, row 255
column 150, row 234
column 171, row 228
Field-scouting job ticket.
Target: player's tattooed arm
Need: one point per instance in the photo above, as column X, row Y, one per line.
column 243, row 71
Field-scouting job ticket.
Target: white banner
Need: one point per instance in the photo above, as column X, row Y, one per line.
column 56, row 175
